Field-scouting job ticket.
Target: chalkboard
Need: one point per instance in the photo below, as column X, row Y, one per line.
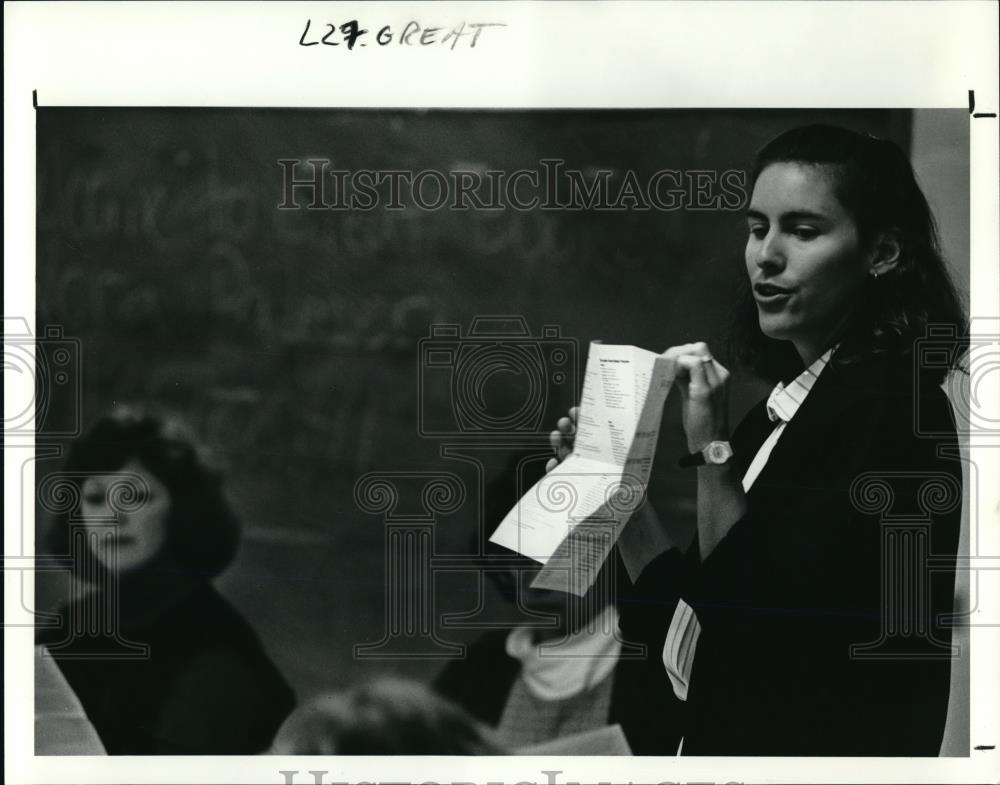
column 312, row 348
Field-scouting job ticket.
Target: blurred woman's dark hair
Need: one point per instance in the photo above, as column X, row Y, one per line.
column 874, row 181
column 389, row 716
column 203, row 530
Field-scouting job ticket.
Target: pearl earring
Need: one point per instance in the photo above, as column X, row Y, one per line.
column 874, row 274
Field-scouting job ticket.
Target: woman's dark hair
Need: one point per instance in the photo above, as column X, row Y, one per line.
column 875, row 183
column 390, row 716
column 203, row 530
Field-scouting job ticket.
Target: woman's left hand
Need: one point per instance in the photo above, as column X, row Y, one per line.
column 704, row 386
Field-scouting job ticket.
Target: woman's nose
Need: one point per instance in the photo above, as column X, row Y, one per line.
column 95, row 509
column 770, row 252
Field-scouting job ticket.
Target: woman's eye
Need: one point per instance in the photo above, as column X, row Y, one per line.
column 805, row 232
column 759, row 231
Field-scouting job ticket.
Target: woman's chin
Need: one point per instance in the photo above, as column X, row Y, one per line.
column 775, row 329
column 128, row 565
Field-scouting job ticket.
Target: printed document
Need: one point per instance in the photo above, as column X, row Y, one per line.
column 571, row 518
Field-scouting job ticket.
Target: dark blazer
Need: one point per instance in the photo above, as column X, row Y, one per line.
column 644, row 705
column 206, row 688
column 814, row 569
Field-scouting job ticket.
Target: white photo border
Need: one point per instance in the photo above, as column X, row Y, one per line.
column 554, row 54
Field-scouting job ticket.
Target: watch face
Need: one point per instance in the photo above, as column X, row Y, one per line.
column 719, row 452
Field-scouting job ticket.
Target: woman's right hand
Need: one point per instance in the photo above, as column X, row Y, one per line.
column 562, row 438
column 704, row 387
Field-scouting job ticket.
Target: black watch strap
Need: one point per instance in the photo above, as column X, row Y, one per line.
column 692, row 459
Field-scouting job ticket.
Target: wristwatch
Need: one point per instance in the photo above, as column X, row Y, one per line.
column 715, row 453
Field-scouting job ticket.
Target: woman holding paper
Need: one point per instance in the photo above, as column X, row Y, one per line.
column 809, row 615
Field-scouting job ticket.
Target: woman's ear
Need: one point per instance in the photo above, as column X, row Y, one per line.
column 887, row 251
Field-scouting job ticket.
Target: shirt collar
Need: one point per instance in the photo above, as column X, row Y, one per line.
column 784, row 401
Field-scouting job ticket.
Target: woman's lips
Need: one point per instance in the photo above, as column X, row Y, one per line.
column 771, row 294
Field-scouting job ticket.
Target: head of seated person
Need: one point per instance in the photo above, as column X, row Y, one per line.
column 146, row 474
column 388, row 716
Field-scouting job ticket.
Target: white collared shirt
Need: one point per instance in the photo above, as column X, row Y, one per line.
column 682, row 636
column 577, row 663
